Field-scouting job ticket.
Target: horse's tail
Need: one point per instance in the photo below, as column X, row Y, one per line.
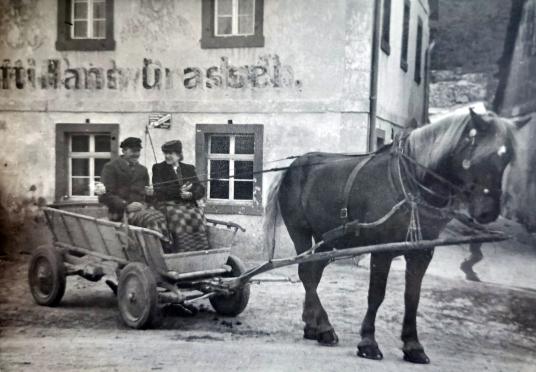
column 271, row 216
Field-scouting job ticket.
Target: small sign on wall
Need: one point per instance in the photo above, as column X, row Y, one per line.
column 162, row 121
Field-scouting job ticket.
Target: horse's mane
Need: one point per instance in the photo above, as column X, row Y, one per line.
column 430, row 144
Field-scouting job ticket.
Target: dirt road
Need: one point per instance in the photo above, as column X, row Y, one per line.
column 464, row 326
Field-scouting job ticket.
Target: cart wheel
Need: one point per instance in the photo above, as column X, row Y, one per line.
column 46, row 276
column 233, row 304
column 138, row 297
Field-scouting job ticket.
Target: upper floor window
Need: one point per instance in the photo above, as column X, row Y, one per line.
column 230, row 155
column 89, row 19
column 405, row 36
column 418, row 54
column 386, row 27
column 232, row 23
column 235, row 17
column 85, row 25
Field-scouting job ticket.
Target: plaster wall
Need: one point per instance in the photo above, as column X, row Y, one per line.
column 309, row 89
column 158, row 63
column 400, row 98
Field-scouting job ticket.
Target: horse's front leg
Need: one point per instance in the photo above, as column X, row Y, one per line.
column 379, row 271
column 416, row 265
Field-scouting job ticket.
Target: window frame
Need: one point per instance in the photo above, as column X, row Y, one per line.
column 404, row 45
column 247, row 207
column 65, row 39
column 232, row 157
column 235, row 15
column 209, row 39
column 90, row 20
column 419, row 51
column 386, row 27
column 63, row 166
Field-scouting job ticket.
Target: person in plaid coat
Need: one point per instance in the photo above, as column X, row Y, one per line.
column 177, row 190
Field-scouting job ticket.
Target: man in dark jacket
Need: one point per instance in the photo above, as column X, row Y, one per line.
column 125, row 180
column 127, row 190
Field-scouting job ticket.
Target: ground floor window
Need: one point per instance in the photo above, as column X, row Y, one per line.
column 81, row 152
column 227, row 157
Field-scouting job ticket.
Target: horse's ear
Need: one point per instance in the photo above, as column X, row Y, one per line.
column 520, row 122
column 478, row 121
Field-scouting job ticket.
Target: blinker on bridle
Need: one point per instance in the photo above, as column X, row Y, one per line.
column 466, row 163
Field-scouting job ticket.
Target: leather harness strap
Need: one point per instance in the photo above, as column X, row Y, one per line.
column 348, row 187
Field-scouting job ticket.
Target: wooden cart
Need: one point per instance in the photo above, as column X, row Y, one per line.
column 148, row 279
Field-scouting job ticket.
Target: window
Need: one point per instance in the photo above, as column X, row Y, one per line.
column 405, row 36
column 81, row 152
column 85, row 25
column 386, row 27
column 229, row 156
column 232, row 24
column 234, row 17
column 418, row 54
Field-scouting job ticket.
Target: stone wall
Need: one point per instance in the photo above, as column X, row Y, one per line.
column 469, row 40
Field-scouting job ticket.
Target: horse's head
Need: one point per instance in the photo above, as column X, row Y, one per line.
column 477, row 163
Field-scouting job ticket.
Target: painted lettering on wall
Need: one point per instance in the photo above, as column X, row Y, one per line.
column 267, row 72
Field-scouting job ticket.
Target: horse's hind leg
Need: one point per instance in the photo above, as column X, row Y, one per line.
column 416, row 265
column 379, row 271
column 317, row 325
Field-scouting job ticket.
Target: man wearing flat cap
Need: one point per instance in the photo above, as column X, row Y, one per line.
column 127, row 189
column 125, row 180
column 177, row 190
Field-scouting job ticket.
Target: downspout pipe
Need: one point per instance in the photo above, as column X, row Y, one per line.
column 373, row 96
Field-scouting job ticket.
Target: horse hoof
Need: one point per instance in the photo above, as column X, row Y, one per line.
column 467, row 268
column 309, row 333
column 327, row 338
column 416, row 356
column 369, row 352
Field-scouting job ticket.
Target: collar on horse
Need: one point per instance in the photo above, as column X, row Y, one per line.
column 413, row 192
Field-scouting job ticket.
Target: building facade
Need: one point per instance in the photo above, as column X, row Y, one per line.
column 240, row 82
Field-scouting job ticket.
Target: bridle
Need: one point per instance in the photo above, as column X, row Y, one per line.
column 415, row 192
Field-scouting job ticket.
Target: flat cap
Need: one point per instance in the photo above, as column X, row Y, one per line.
column 131, row 143
column 172, row 146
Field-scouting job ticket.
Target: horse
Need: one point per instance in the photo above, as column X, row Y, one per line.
column 456, row 161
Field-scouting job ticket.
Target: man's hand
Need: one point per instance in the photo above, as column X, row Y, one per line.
column 149, row 190
column 100, row 189
column 135, row 207
column 186, row 194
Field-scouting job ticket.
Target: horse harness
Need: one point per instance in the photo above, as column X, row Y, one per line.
column 410, row 190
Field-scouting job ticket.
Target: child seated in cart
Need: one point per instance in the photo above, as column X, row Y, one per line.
column 177, row 190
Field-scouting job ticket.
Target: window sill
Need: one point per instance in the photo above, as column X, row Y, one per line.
column 214, row 42
column 85, row 44
column 233, row 208
column 79, row 202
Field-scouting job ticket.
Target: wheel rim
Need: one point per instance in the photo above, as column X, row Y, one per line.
column 133, row 298
column 42, row 278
